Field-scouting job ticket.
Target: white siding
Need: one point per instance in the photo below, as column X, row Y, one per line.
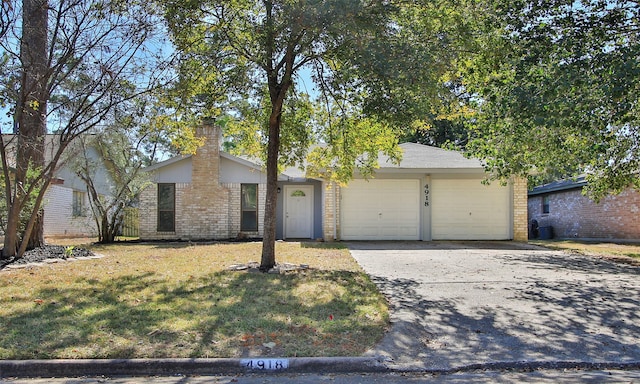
column 58, row 218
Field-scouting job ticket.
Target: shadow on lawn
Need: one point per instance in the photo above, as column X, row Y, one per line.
column 225, row 314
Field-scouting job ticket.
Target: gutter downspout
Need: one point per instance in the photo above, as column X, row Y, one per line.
column 335, row 211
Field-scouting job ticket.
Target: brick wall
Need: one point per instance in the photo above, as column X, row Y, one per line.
column 520, row 232
column 234, row 213
column 331, row 206
column 148, row 213
column 205, row 208
column 573, row 215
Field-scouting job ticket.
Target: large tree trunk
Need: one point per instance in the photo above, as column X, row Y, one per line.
column 36, row 239
column 277, row 93
column 105, row 231
column 268, row 260
column 11, row 232
column 31, row 113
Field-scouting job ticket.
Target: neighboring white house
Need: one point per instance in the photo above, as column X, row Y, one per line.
column 66, row 204
column 433, row 194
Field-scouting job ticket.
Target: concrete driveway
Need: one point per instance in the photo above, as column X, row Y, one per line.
column 492, row 304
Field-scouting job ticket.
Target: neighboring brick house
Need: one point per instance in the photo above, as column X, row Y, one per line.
column 572, row 215
column 433, row 194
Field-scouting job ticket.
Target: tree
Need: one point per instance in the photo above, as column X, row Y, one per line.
column 66, row 62
column 136, row 132
column 439, row 133
column 122, row 150
column 555, row 88
column 378, row 65
column 30, row 118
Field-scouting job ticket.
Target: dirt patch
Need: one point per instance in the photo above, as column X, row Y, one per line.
column 254, row 267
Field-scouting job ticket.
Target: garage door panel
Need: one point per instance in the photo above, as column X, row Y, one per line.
column 366, row 218
column 469, row 210
column 381, row 210
column 363, row 232
column 408, row 232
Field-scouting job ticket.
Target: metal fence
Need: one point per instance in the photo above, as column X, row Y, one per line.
column 130, row 222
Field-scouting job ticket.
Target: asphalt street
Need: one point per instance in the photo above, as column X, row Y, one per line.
column 542, row 377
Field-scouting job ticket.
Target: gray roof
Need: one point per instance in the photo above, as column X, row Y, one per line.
column 560, row 185
column 175, row 159
column 432, row 159
column 164, row 163
column 415, row 158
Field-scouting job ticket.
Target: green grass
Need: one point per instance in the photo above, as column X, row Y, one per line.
column 179, row 300
column 623, row 252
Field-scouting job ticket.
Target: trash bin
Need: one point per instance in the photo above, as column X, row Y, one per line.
column 545, row 233
column 533, row 229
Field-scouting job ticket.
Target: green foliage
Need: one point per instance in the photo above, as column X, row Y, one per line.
column 68, row 251
column 376, row 65
column 404, row 71
column 246, row 129
column 555, row 87
column 438, row 133
column 353, row 140
column 110, row 166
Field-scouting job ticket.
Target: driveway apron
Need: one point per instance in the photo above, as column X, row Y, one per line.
column 461, row 304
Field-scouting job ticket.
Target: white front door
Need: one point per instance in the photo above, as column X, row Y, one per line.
column 298, row 211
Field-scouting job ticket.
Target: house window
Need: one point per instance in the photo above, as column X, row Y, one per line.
column 166, row 207
column 77, row 204
column 249, row 208
column 545, row 204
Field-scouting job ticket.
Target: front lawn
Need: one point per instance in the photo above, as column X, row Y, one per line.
column 628, row 253
column 180, row 300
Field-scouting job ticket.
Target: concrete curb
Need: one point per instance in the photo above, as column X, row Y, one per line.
column 228, row 366
column 170, row 367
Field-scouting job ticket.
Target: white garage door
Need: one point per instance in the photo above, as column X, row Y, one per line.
column 469, row 210
column 381, row 210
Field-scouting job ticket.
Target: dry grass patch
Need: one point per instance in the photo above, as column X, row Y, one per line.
column 179, row 300
column 628, row 253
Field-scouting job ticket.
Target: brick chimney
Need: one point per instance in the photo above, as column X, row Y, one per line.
column 206, row 161
column 207, row 201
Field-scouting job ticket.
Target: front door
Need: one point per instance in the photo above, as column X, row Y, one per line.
column 298, row 211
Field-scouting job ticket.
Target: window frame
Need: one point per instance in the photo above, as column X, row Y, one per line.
column 546, row 204
column 161, row 225
column 244, row 209
column 77, row 203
